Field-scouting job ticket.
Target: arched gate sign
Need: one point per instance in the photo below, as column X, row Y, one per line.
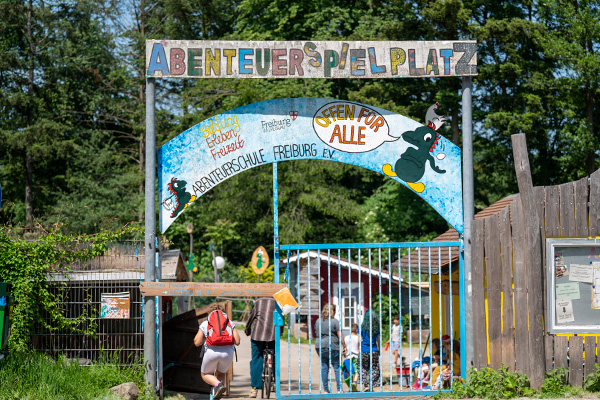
column 408, row 151
column 290, row 129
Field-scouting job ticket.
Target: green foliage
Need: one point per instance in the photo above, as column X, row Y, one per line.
column 501, row 384
column 25, row 264
column 72, row 111
column 555, row 384
column 592, row 380
column 30, row 375
column 488, row 383
column 388, row 306
column 247, row 274
column 222, row 231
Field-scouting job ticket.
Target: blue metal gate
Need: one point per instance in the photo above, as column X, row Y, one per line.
column 367, row 284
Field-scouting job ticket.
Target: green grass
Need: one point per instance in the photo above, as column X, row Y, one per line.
column 38, row 376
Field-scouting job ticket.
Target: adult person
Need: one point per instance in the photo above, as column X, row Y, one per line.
column 219, row 337
column 327, row 339
column 261, row 329
column 369, row 347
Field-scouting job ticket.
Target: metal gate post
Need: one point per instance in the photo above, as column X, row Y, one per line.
column 461, row 291
column 149, row 234
column 278, row 318
column 468, row 211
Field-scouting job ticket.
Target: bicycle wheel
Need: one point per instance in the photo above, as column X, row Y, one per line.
column 268, row 381
column 264, row 376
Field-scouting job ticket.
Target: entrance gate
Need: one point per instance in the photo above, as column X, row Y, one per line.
column 389, row 278
column 289, row 129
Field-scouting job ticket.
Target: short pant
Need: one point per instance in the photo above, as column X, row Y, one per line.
column 395, row 345
column 217, row 358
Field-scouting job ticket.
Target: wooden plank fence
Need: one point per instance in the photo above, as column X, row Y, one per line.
column 500, row 275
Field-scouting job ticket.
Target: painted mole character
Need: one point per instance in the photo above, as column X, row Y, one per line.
column 182, row 198
column 410, row 167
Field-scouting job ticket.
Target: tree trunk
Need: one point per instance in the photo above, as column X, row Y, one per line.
column 28, row 191
column 142, row 144
column 28, row 158
column 590, row 162
column 454, row 125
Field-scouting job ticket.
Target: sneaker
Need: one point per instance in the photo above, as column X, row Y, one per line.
column 253, row 393
column 218, row 391
column 354, row 389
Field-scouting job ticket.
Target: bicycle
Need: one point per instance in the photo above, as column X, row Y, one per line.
column 268, row 374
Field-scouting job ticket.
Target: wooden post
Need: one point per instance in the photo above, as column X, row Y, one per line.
column 533, row 256
column 478, row 277
column 508, row 342
column 494, row 282
column 520, row 292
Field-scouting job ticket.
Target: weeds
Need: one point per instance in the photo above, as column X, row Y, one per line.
column 38, row 376
column 555, row 384
column 487, row 383
column 592, row 381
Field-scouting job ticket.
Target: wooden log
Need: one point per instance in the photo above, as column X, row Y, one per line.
column 477, row 273
column 549, row 350
column 590, row 355
column 576, row 361
column 561, row 343
column 210, row 289
column 582, row 228
column 567, row 210
column 494, row 282
column 508, row 343
column 551, row 212
column 595, row 203
column 533, row 256
column 520, row 290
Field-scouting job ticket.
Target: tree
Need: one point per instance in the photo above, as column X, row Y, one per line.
column 58, row 64
column 571, row 40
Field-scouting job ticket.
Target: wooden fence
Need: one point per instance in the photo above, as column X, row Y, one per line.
column 501, row 272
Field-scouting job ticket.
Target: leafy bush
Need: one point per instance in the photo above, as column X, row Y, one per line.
column 488, row 383
column 592, row 381
column 555, row 384
column 25, row 265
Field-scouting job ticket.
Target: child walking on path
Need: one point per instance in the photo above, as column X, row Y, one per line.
column 352, row 341
column 395, row 339
column 219, row 336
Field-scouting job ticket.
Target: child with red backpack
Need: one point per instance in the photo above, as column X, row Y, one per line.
column 219, row 336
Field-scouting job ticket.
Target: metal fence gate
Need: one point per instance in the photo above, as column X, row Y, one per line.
column 369, row 284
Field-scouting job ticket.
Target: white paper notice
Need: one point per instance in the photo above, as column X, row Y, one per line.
column 564, row 311
column 568, row 291
column 581, row 273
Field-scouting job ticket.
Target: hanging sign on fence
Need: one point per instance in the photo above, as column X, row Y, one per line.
column 310, row 59
column 115, row 305
column 405, row 150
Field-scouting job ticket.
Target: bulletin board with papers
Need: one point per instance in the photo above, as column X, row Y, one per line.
column 573, row 285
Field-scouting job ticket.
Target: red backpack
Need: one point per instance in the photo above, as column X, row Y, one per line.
column 219, row 331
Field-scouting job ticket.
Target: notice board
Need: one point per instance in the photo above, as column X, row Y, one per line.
column 573, row 285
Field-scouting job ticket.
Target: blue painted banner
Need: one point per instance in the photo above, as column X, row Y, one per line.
column 291, row 129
